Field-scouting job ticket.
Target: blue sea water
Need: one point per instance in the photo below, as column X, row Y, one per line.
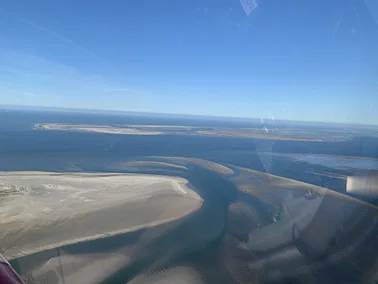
column 24, row 148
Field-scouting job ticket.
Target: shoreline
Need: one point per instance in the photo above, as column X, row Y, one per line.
column 44, row 210
column 132, row 129
column 104, row 235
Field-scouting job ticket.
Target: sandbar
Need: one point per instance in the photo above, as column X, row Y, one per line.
column 257, row 134
column 41, row 210
column 185, row 161
column 97, row 128
column 143, row 165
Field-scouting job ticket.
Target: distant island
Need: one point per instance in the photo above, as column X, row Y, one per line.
column 257, row 133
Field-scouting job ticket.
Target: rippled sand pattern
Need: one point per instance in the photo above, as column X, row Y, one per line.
column 245, row 232
column 175, row 275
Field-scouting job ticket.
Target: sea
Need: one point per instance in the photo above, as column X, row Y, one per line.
column 25, row 148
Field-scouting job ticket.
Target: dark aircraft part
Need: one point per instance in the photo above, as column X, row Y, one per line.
column 7, row 274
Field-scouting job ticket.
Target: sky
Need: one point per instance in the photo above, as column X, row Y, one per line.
column 287, row 59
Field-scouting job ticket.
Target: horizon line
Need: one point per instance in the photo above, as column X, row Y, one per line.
column 183, row 115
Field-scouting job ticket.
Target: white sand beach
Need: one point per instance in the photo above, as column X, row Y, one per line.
column 41, row 210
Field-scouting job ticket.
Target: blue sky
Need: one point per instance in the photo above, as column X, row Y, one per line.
column 290, row 59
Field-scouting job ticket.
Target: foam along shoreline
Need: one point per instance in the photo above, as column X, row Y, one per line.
column 40, row 210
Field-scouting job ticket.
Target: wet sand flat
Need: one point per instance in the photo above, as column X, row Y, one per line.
column 40, row 210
